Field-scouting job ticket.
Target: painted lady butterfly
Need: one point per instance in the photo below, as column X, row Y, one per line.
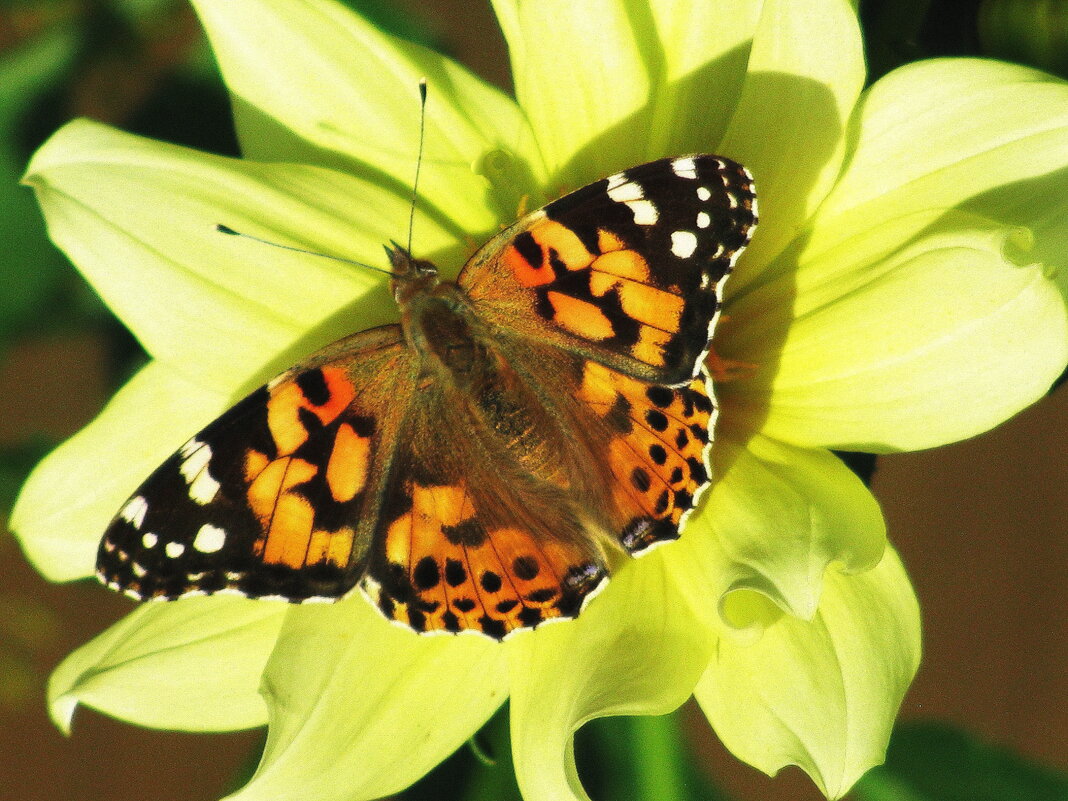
column 481, row 464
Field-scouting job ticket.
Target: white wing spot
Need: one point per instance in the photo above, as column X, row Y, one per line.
column 174, row 549
column 194, row 469
column 684, row 168
column 732, row 200
column 645, row 212
column 615, row 181
column 703, row 220
column 719, row 251
column 209, row 539
column 625, row 192
column 683, row 243
column 138, row 571
column 149, row 540
column 703, row 193
column 134, row 511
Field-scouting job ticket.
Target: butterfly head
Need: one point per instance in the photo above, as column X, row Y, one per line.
column 411, row 276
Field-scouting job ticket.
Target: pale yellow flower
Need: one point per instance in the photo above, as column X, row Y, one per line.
column 899, row 294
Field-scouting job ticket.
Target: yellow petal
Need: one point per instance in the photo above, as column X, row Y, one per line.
column 138, row 219
column 941, row 340
column 191, row 665
column 610, row 661
column 821, row 694
column 314, row 83
column 360, row 708
column 775, row 518
column 805, row 72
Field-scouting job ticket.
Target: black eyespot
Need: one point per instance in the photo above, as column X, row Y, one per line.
column 526, row 567
column 455, row 574
column 426, row 574
column 656, row 419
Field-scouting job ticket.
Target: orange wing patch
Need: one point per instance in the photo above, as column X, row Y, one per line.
column 325, row 396
column 534, row 255
column 605, row 293
column 284, row 492
column 580, row 317
column 657, row 451
column 285, row 516
column 346, row 472
column 447, row 571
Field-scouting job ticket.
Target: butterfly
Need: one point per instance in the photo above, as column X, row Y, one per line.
column 482, row 464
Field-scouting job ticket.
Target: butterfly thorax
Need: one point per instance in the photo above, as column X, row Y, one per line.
column 439, row 326
column 463, row 366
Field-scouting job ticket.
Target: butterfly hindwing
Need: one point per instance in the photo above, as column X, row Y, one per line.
column 657, row 450
column 478, row 529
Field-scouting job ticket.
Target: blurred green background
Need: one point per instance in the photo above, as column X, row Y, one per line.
column 981, row 525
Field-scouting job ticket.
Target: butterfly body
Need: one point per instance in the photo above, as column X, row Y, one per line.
column 483, row 464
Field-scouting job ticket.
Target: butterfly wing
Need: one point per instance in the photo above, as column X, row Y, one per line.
column 624, row 271
column 353, row 466
column 655, row 443
column 274, row 498
column 479, row 528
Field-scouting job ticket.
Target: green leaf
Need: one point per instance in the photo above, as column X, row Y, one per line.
column 1024, row 30
column 934, row 762
column 641, row 759
column 16, row 462
column 31, row 270
column 488, row 782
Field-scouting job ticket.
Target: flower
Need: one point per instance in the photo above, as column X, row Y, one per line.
column 899, row 294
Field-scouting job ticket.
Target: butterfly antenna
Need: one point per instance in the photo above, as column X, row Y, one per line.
column 418, row 159
column 226, row 229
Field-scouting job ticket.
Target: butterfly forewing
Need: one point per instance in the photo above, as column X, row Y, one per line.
column 270, row 499
column 625, row 271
